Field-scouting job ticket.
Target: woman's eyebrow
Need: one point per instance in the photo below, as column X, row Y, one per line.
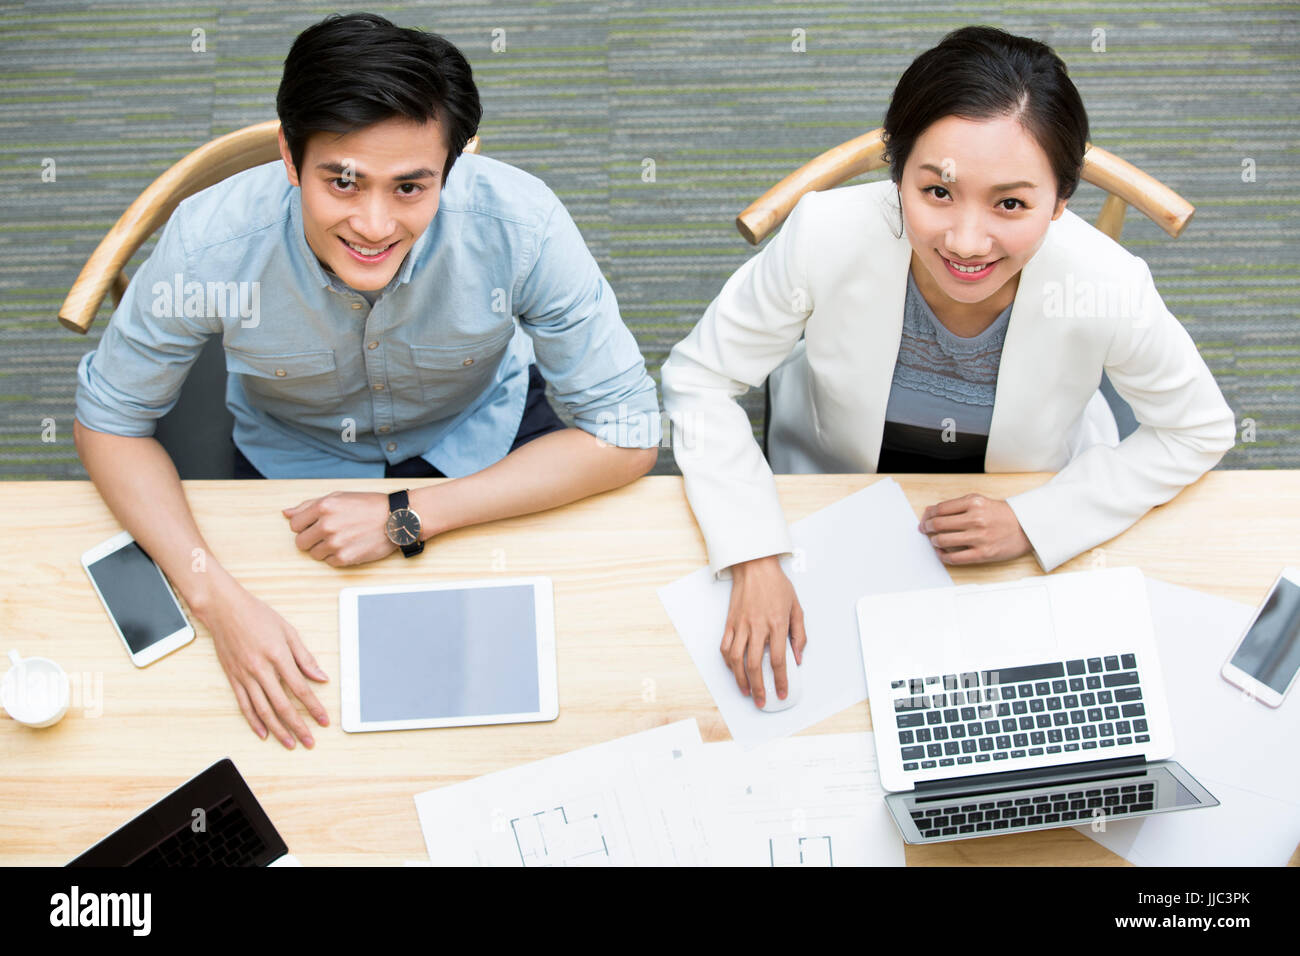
column 339, row 169
column 1022, row 184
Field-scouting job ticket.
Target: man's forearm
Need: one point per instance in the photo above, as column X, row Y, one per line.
column 550, row 471
column 138, row 481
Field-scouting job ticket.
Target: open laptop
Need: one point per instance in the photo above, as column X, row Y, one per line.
column 231, row 830
column 1021, row 706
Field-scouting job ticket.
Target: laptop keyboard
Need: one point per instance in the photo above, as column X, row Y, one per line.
column 1065, row 806
column 229, row 840
column 988, row 716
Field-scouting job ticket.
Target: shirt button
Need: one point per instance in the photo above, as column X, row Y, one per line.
column 392, row 446
column 373, row 345
column 280, row 372
column 379, row 386
column 356, row 305
column 384, row 429
column 468, row 361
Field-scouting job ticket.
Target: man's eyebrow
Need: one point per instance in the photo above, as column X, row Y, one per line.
column 339, row 169
column 1023, row 184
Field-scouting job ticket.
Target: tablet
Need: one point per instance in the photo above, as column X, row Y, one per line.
column 452, row 654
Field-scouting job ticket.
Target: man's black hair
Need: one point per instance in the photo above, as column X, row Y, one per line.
column 349, row 72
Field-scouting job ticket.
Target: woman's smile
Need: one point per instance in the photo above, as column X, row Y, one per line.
column 969, row 272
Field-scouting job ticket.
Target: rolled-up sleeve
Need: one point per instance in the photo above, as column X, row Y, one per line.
column 582, row 347
column 134, row 377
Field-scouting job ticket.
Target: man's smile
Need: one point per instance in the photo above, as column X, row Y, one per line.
column 367, row 254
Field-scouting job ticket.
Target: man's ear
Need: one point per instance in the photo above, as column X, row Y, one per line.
column 288, row 159
column 1060, row 208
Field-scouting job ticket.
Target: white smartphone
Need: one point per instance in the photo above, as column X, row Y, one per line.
column 1267, row 658
column 139, row 601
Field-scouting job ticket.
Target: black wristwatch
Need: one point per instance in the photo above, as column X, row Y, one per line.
column 403, row 527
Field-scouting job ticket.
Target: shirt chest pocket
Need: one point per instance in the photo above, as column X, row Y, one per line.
column 303, row 380
column 451, row 378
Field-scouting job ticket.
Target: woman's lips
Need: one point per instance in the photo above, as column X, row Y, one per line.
column 968, row 276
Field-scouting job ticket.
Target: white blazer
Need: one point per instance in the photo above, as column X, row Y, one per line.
column 836, row 274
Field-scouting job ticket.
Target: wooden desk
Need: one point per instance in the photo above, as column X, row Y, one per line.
column 622, row 667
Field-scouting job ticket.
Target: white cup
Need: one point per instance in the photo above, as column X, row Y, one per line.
column 36, row 691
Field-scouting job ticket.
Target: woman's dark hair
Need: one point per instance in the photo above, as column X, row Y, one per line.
column 981, row 73
column 349, row 72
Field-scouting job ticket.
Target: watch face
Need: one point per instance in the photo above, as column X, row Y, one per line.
column 403, row 526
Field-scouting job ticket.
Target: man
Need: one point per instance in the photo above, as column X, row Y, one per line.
column 380, row 317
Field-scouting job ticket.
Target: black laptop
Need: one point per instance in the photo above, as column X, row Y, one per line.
column 213, row 820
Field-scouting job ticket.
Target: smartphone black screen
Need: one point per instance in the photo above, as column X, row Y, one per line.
column 1270, row 652
column 137, row 596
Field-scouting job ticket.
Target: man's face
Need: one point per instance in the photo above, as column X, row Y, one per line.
column 368, row 196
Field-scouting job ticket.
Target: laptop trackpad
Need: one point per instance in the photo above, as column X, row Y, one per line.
column 1011, row 624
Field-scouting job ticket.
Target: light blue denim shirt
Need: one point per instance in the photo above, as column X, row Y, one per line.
column 325, row 384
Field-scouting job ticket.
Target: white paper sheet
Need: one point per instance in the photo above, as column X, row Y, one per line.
column 866, row 543
column 1246, row 829
column 800, row 801
column 1241, row 751
column 589, row 807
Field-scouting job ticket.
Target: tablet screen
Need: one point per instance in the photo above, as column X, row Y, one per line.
column 447, row 653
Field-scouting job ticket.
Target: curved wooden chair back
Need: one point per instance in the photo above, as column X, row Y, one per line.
column 209, row 164
column 1124, row 184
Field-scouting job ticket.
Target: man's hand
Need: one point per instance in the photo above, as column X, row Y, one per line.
column 974, row 529
column 264, row 657
column 764, row 610
column 344, row 527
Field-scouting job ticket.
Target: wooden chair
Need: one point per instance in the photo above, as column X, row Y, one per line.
column 1125, row 185
column 197, row 431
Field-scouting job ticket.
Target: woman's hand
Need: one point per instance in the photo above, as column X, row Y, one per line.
column 974, row 529
column 764, row 609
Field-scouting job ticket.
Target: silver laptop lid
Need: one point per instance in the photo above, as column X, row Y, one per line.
column 1042, row 672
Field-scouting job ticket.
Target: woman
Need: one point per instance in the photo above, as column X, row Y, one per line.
column 953, row 318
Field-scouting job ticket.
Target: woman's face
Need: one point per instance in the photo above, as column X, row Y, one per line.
column 977, row 197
